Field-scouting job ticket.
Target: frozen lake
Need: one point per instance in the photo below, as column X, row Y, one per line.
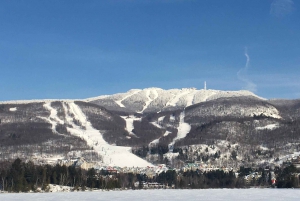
column 141, row 195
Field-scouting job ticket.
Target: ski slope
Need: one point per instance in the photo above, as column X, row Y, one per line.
column 129, row 123
column 53, row 118
column 156, row 141
column 187, row 94
column 183, row 129
column 147, row 103
column 131, row 93
column 112, row 155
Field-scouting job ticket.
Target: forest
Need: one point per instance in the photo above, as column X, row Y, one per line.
column 21, row 176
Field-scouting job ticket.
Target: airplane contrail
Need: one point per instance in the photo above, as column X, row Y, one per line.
column 242, row 74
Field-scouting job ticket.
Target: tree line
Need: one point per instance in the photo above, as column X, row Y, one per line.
column 21, row 176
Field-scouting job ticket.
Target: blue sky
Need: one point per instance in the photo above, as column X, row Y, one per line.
column 81, row 49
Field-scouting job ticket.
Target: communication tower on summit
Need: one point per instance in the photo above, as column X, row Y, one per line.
column 204, row 85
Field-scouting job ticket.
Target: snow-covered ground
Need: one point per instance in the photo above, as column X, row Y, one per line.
column 286, row 158
column 129, row 123
column 183, row 92
column 112, row 155
column 156, row 141
column 13, row 109
column 166, row 133
column 268, row 127
column 156, row 99
column 130, row 93
column 156, row 124
column 170, row 155
column 149, row 92
column 160, row 119
column 58, row 188
column 37, row 101
column 183, row 129
column 172, row 195
column 53, row 118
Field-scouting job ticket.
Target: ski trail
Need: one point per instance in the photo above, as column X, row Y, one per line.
column 112, row 155
column 171, row 99
column 119, row 102
column 75, row 129
column 53, row 118
column 183, row 129
column 190, row 98
column 167, row 133
column 156, row 141
column 156, row 124
column 155, row 94
column 175, row 99
column 129, row 123
column 149, row 101
column 160, row 119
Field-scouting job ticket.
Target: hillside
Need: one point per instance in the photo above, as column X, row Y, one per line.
column 160, row 126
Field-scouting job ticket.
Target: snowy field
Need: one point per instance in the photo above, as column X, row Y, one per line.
column 142, row 195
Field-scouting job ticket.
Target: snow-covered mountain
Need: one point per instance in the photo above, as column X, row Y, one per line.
column 155, row 99
column 150, row 122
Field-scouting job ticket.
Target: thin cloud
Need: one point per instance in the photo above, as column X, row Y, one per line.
column 242, row 74
column 281, row 8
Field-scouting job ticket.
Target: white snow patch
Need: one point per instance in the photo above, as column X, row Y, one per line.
column 263, row 148
column 58, row 188
column 13, row 109
column 129, row 123
column 160, row 119
column 172, row 118
column 268, row 127
column 167, row 133
column 156, row 141
column 156, row 124
column 170, row 155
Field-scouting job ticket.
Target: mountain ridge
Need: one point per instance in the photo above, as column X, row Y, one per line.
column 157, row 99
column 153, row 123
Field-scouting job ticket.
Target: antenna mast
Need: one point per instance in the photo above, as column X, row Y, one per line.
column 204, row 85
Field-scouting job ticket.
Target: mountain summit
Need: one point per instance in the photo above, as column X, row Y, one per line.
column 156, row 99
